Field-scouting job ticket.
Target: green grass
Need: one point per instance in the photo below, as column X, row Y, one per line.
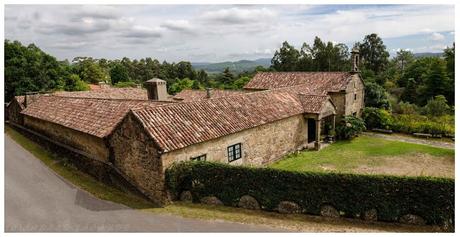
column 344, row 156
column 77, row 177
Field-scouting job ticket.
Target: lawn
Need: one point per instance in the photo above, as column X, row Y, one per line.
column 371, row 155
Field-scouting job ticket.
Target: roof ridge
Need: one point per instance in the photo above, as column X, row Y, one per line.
column 116, row 99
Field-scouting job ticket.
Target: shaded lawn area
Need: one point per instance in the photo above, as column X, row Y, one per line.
column 371, row 155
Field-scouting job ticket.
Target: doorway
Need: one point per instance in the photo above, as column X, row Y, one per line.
column 311, row 130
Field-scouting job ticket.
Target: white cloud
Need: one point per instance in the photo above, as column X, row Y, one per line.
column 437, row 36
column 239, row 15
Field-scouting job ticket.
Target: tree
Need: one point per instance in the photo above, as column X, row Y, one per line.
column 375, row 96
column 89, row 71
column 410, row 91
column 181, row 85
column 241, row 82
column 227, row 78
column 435, row 82
column 118, row 74
column 373, row 53
column 404, row 58
column 30, row 69
column 449, row 55
column 74, row 83
column 286, row 58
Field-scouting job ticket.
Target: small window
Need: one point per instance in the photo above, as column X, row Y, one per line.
column 355, row 97
column 234, row 152
column 199, row 158
column 354, row 114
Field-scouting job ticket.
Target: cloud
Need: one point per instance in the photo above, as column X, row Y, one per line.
column 85, row 26
column 437, row 36
column 141, row 32
column 239, row 15
column 178, row 25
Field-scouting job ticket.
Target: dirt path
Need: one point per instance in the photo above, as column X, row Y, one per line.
column 405, row 138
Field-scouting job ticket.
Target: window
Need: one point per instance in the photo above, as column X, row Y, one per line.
column 234, row 152
column 199, row 158
column 355, row 96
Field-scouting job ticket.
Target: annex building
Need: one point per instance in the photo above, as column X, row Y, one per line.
column 143, row 131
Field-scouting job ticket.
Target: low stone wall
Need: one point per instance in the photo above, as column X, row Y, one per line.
column 100, row 170
column 82, row 141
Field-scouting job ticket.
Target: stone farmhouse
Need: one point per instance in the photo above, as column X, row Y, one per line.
column 142, row 132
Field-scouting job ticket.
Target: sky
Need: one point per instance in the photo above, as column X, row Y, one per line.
column 215, row 33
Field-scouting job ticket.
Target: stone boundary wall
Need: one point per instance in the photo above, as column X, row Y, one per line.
column 103, row 171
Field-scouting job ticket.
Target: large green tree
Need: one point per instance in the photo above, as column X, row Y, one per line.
column 286, row 58
column 118, row 74
column 373, row 53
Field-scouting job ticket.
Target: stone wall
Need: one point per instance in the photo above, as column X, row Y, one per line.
column 356, row 87
column 260, row 145
column 134, row 154
column 79, row 140
column 14, row 113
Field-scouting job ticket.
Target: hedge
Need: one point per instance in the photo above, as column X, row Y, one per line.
column 392, row 196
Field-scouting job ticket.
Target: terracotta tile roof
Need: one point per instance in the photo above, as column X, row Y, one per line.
column 193, row 95
column 108, row 93
column 97, row 117
column 20, row 99
column 316, row 81
column 313, row 103
column 175, row 126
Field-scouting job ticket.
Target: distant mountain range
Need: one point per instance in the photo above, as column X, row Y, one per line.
column 249, row 65
column 235, row 67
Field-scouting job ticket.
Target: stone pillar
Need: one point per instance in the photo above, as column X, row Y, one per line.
column 318, row 134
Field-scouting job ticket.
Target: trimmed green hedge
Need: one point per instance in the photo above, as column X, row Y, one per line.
column 392, row 196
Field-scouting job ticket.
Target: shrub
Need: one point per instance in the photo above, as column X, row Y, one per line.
column 412, row 123
column 377, row 118
column 437, row 106
column 406, row 108
column 391, row 196
column 349, row 127
column 123, row 84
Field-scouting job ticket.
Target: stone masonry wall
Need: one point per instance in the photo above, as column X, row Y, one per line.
column 353, row 105
column 79, row 140
column 260, row 145
column 136, row 156
column 14, row 113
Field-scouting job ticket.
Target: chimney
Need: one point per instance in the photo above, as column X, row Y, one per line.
column 103, row 85
column 208, row 92
column 156, row 89
column 355, row 60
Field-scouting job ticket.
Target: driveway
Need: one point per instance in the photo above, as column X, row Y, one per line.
column 36, row 199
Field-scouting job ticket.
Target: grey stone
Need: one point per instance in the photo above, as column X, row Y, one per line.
column 211, row 200
column 370, row 215
column 248, row 202
column 329, row 211
column 288, row 207
column 412, row 219
column 186, row 196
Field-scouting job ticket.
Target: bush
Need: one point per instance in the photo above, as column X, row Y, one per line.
column 349, row 127
column 391, row 196
column 412, row 123
column 377, row 118
column 406, row 108
column 437, row 106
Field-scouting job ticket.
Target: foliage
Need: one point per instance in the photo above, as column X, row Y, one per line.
column 437, row 106
column 349, row 127
column 375, row 96
column 377, row 118
column 286, row 58
column 449, row 55
column 406, row 108
column 393, row 197
column 90, row 72
column 74, row 83
column 123, row 84
column 373, row 53
column 239, row 84
column 181, row 85
column 118, row 73
column 28, row 69
column 413, row 123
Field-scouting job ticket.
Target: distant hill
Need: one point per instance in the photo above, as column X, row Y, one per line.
column 420, row 55
column 236, row 67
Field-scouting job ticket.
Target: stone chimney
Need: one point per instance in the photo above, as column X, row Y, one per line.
column 355, row 60
column 156, row 89
column 208, row 93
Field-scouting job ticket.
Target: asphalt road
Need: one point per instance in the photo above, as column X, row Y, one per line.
column 37, row 199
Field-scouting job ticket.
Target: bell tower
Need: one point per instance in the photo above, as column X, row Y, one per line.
column 355, row 60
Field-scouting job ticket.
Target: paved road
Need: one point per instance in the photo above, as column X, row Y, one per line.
column 36, row 199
